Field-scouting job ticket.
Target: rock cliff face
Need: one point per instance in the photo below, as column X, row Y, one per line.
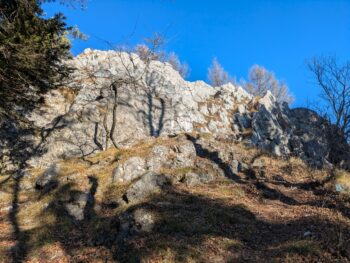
column 115, row 98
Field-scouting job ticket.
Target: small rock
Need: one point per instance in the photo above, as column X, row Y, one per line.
column 258, row 164
column 48, row 179
column 278, row 178
column 307, row 233
column 129, row 170
column 185, row 155
column 77, row 204
column 144, row 220
column 244, row 167
column 236, row 166
column 192, row 179
column 158, row 157
column 146, row 185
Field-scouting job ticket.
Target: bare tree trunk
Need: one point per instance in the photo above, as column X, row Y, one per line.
column 114, row 115
column 105, row 126
column 98, row 144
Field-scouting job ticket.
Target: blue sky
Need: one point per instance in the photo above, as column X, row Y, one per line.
column 277, row 34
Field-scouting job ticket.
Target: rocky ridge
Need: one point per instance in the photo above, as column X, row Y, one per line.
column 153, row 100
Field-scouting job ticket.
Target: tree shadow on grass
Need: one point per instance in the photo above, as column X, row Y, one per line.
column 184, row 224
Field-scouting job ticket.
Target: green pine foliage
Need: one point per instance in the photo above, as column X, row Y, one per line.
column 32, row 48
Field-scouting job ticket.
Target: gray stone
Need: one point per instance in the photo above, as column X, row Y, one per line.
column 48, row 178
column 278, row 178
column 185, row 155
column 143, row 187
column 166, row 105
column 158, row 157
column 258, row 164
column 144, row 220
column 129, row 170
column 192, row 179
column 77, row 204
column 236, row 166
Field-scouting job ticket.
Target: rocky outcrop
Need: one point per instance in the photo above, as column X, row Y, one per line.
column 114, row 98
column 298, row 132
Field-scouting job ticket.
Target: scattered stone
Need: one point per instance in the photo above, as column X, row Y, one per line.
column 143, row 187
column 236, row 166
column 77, row 205
column 192, row 179
column 131, row 169
column 278, row 178
column 258, row 164
column 184, row 155
column 307, row 233
column 48, row 179
column 244, row 167
column 144, row 220
column 158, row 157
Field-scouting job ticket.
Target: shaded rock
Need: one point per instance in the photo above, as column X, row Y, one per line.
column 192, row 179
column 244, row 167
column 76, row 207
column 236, row 166
column 48, row 179
column 129, row 170
column 143, row 187
column 131, row 223
column 258, row 164
column 144, row 220
column 278, row 178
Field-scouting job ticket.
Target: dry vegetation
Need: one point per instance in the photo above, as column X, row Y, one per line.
column 283, row 211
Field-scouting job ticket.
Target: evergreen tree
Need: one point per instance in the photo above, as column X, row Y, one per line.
column 32, row 48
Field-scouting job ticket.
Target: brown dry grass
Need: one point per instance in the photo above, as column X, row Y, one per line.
column 218, row 222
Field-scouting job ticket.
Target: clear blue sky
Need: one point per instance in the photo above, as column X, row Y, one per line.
column 277, row 34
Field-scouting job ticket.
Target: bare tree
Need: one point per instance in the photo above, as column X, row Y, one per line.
column 217, row 76
column 334, row 81
column 136, row 79
column 260, row 80
column 145, row 52
column 175, row 62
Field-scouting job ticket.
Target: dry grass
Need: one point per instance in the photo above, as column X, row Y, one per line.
column 222, row 221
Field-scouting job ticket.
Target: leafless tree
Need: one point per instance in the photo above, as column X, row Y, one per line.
column 260, row 80
column 145, row 52
column 175, row 62
column 136, row 80
column 217, row 76
column 334, row 80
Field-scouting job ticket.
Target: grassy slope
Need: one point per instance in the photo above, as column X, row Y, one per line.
column 259, row 219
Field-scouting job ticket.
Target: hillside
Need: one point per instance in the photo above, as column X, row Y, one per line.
column 131, row 163
column 272, row 210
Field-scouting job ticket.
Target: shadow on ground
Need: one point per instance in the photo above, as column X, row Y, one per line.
column 184, row 227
